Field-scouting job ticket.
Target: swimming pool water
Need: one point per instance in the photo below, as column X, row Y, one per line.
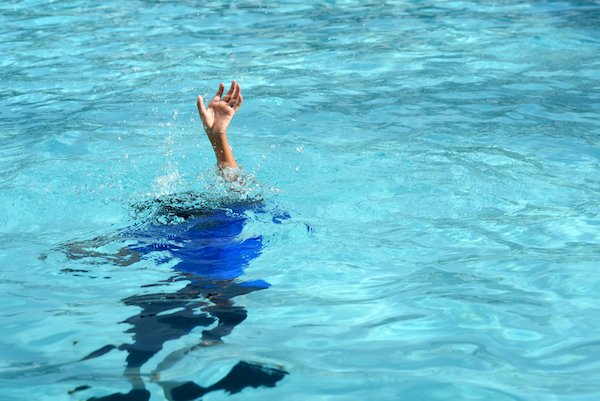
column 436, row 164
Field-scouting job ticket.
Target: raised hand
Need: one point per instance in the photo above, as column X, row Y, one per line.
column 221, row 109
column 216, row 118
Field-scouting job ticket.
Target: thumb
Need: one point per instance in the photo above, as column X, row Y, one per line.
column 201, row 108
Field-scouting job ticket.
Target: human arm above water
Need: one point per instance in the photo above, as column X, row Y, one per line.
column 216, row 118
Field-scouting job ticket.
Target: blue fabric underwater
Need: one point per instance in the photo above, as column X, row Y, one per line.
column 205, row 245
column 210, row 258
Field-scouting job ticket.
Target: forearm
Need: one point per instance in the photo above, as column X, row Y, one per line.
column 222, row 150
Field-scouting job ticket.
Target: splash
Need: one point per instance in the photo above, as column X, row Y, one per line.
column 171, row 205
column 168, row 183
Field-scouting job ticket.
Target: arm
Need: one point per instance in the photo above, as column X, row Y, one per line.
column 216, row 118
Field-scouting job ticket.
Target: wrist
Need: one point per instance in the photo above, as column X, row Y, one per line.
column 219, row 134
column 215, row 134
column 218, row 139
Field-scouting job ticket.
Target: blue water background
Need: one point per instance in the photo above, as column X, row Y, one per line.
column 445, row 155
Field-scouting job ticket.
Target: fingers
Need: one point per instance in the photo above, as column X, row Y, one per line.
column 201, row 108
column 219, row 91
column 238, row 104
column 235, row 96
column 231, row 90
column 236, row 92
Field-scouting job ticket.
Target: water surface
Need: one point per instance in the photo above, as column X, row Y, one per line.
column 438, row 162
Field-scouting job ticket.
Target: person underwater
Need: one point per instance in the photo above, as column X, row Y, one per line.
column 208, row 258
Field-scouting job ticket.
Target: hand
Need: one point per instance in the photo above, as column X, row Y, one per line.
column 217, row 116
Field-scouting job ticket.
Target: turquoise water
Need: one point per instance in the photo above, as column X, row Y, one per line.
column 438, row 161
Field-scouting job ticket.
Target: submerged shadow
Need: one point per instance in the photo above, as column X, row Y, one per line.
column 210, row 258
